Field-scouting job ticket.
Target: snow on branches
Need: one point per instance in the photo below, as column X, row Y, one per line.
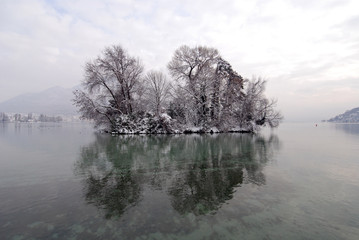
column 205, row 95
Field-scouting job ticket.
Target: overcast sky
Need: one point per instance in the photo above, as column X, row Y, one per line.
column 307, row 50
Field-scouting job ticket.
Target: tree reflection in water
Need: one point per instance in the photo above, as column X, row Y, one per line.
column 198, row 172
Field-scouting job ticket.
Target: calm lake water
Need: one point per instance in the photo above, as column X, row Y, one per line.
column 63, row 181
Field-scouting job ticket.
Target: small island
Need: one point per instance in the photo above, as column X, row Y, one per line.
column 205, row 95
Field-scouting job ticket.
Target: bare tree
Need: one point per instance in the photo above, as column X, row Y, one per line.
column 194, row 71
column 255, row 107
column 212, row 86
column 158, row 90
column 110, row 85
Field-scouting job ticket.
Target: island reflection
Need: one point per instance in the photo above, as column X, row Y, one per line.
column 349, row 128
column 198, row 172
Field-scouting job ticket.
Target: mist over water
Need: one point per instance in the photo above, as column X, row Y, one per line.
column 63, row 181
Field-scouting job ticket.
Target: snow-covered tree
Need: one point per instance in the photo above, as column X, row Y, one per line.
column 214, row 95
column 254, row 109
column 194, row 69
column 111, row 86
column 157, row 91
column 228, row 93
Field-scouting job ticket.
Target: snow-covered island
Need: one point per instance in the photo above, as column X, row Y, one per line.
column 204, row 95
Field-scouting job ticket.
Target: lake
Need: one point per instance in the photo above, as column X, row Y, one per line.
column 64, row 181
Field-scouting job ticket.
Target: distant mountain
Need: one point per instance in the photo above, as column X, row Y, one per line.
column 52, row 101
column 351, row 116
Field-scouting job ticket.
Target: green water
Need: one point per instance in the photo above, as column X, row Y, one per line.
column 63, row 181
